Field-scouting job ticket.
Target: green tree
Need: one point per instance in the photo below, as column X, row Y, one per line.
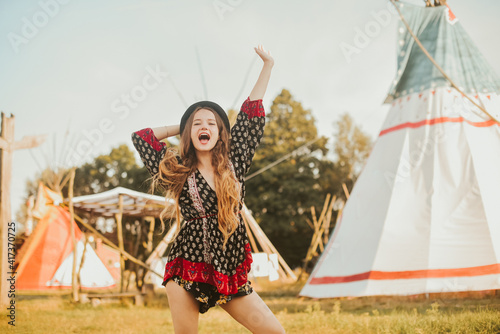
column 116, row 169
column 281, row 197
column 351, row 146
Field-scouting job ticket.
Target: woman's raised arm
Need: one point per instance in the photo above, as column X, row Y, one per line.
column 163, row 132
column 260, row 87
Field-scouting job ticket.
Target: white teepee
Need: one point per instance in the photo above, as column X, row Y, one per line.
column 424, row 215
column 92, row 275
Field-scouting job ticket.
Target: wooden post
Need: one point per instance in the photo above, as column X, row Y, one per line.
column 346, row 192
column 320, row 226
column 82, row 260
column 149, row 248
column 119, row 230
column 112, row 245
column 163, row 245
column 7, row 147
column 74, row 279
column 328, row 220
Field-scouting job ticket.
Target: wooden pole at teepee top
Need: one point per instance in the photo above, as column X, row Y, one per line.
column 74, row 279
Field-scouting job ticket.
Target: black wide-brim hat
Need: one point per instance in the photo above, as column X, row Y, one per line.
column 205, row 104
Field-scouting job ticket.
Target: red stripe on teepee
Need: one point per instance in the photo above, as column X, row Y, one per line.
column 411, row 274
column 433, row 121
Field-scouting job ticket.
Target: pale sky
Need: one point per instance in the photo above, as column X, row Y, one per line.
column 68, row 66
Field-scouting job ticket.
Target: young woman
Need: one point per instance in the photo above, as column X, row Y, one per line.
column 210, row 257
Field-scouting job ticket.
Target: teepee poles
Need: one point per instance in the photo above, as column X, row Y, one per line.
column 321, row 226
column 266, row 245
column 250, row 236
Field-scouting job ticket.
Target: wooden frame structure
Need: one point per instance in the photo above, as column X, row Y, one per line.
column 117, row 203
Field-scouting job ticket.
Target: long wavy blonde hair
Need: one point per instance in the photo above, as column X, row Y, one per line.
column 172, row 175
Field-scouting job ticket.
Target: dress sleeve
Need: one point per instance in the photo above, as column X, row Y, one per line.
column 150, row 149
column 246, row 134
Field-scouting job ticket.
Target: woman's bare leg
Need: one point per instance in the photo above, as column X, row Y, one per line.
column 184, row 309
column 253, row 313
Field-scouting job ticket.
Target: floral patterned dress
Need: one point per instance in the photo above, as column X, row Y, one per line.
column 197, row 260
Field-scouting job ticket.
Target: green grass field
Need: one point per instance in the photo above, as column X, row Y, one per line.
column 55, row 313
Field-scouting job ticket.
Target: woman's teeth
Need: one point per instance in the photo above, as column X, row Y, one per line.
column 204, row 138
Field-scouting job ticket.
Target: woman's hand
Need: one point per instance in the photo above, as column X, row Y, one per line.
column 265, row 56
column 260, row 87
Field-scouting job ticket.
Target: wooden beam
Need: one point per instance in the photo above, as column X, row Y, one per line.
column 74, row 279
column 320, row 227
column 29, row 142
column 162, row 245
column 325, row 208
column 119, row 231
column 149, row 248
column 4, row 145
column 250, row 235
column 7, row 133
column 328, row 220
column 346, row 192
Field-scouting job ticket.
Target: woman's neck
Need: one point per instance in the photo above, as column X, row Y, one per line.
column 204, row 160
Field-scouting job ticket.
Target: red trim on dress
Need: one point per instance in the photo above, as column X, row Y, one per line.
column 253, row 108
column 148, row 136
column 205, row 273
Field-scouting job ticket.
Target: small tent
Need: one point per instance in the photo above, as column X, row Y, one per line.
column 46, row 258
column 424, row 215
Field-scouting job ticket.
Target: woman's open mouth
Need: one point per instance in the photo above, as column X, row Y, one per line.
column 204, row 137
